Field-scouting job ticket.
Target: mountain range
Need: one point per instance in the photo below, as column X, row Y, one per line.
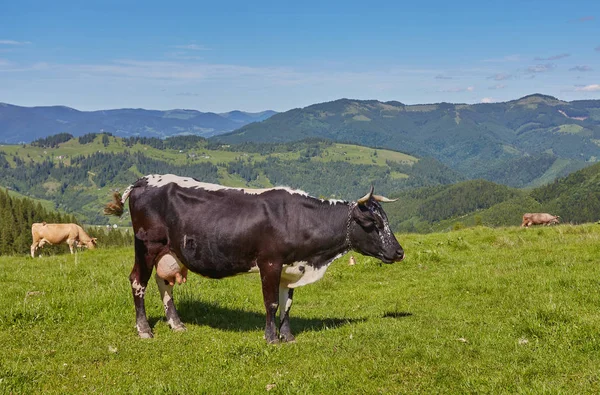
column 26, row 124
column 524, row 142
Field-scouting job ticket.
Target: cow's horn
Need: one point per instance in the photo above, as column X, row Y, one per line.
column 365, row 198
column 383, row 199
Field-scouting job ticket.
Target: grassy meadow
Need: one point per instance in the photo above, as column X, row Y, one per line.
column 477, row 310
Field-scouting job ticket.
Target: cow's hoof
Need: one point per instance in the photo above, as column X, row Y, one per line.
column 288, row 338
column 146, row 335
column 180, row 328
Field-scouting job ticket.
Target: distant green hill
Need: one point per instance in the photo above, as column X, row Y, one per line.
column 525, row 142
column 78, row 174
column 576, row 198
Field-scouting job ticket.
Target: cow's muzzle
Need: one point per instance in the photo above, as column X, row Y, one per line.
column 396, row 257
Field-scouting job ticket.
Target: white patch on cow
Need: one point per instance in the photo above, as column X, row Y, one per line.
column 171, row 323
column 158, row 180
column 166, row 291
column 140, row 290
column 386, row 233
column 285, row 302
column 300, row 273
column 126, row 194
column 333, row 202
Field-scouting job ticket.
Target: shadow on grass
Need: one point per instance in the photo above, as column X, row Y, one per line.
column 396, row 314
column 228, row 319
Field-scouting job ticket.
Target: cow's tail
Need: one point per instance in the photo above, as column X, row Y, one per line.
column 116, row 206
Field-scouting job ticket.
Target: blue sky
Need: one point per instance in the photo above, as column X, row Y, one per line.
column 253, row 56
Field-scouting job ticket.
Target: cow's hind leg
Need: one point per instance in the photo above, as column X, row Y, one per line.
column 166, row 295
column 285, row 304
column 140, row 274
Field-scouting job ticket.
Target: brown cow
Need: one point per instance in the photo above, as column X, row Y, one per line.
column 73, row 234
column 539, row 219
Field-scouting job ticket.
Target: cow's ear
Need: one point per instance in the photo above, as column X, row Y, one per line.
column 363, row 216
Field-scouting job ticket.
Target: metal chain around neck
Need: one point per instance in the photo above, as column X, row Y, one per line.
column 349, row 224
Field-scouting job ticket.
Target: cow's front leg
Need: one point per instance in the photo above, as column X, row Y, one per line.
column 285, row 304
column 270, row 274
column 166, row 295
column 33, row 249
column 70, row 242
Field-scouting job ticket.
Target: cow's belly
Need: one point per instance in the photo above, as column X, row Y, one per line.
column 54, row 239
column 298, row 274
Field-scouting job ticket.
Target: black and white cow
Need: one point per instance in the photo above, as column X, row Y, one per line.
column 287, row 236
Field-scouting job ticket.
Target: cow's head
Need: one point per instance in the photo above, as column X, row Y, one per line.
column 91, row 243
column 369, row 230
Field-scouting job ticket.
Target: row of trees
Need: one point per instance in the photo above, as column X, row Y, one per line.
column 52, row 141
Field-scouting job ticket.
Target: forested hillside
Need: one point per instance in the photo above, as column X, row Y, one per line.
column 79, row 174
column 525, row 142
column 576, row 198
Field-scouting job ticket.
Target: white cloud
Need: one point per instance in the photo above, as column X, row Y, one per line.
column 589, row 88
column 500, row 77
column 582, row 68
column 487, row 100
column 498, row 86
column 508, row 58
column 541, row 68
column 13, row 42
column 555, row 57
column 7, row 66
column 457, row 89
column 193, row 47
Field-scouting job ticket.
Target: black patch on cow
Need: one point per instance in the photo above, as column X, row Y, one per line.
column 141, row 182
column 189, row 244
column 301, row 268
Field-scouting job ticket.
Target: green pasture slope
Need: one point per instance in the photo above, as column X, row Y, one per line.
column 479, row 310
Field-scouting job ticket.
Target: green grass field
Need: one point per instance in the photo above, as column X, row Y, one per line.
column 479, row 310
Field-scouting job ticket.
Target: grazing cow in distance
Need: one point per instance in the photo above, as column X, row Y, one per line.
column 539, row 219
column 285, row 235
column 73, row 234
